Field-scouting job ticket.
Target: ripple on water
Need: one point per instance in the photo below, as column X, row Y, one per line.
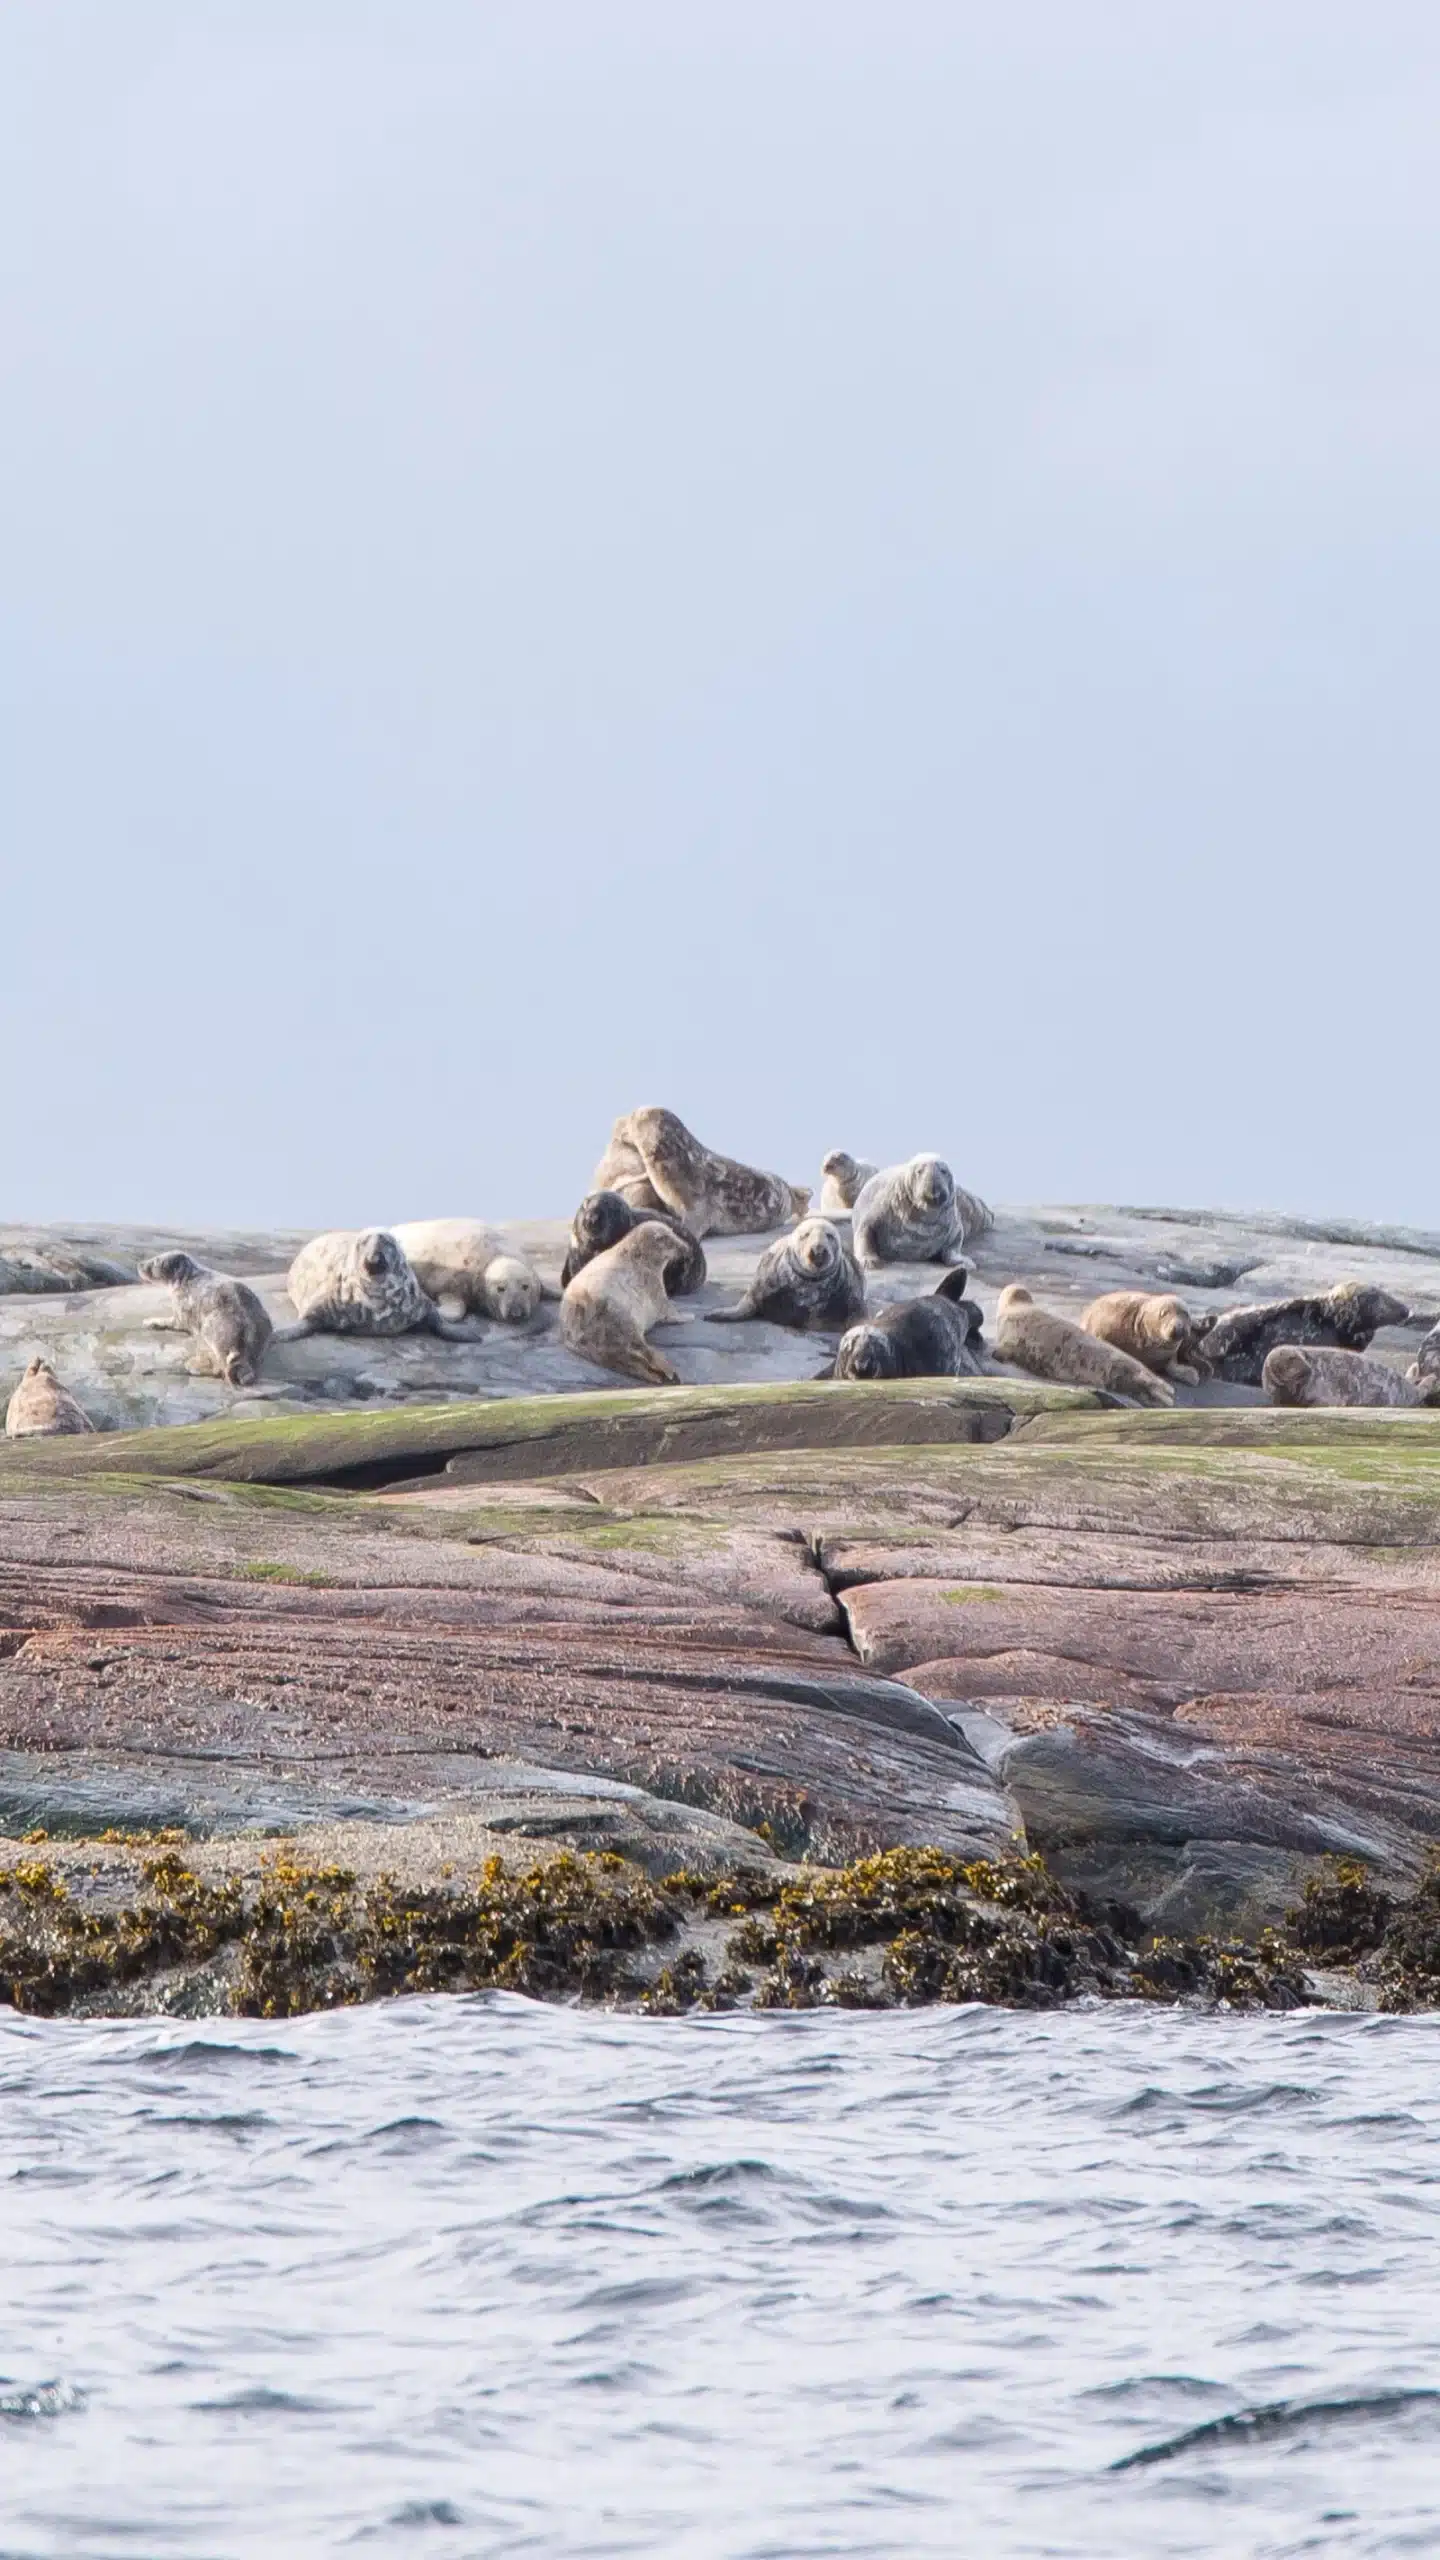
column 525, row 2280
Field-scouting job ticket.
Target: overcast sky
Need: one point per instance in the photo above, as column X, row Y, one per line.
column 866, row 572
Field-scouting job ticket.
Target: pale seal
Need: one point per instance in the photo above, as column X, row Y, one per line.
column 1160, row 1332
column 916, row 1212
column 610, row 1305
column 1051, row 1347
column 655, row 1162
column 1315, row 1374
column 231, row 1328
column 358, row 1281
column 469, row 1269
column 842, row 1179
column 806, row 1279
column 1345, row 1319
column 40, row 1407
column 603, row 1217
column 935, row 1337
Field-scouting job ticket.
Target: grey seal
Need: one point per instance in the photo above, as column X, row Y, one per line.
column 40, row 1407
column 232, row 1329
column 1345, row 1318
column 935, row 1337
column 1160, row 1332
column 469, row 1270
column 916, row 1212
column 1424, row 1369
column 1314, row 1374
column 842, row 1179
column 358, row 1281
column 807, row 1279
column 610, row 1305
column 655, row 1162
column 1051, row 1347
column 603, row 1217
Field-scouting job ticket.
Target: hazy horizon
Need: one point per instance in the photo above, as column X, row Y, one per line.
column 868, row 575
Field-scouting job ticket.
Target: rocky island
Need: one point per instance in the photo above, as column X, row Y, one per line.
column 430, row 1663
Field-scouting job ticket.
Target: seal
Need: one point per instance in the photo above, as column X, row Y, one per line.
column 1346, row 1318
column 610, row 1305
column 1314, row 1374
column 1159, row 1332
column 358, row 1281
column 916, row 1212
column 40, row 1407
column 842, row 1179
column 469, row 1270
column 806, row 1279
column 1424, row 1369
column 935, row 1337
column 603, row 1217
column 655, row 1162
column 232, row 1329
column 1051, row 1347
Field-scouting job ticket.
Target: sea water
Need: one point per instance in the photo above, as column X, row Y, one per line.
column 481, row 2277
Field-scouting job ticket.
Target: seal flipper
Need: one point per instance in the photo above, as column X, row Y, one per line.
column 745, row 1313
column 954, row 1284
column 297, row 1332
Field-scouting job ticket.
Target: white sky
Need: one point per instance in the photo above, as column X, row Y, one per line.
column 868, row 572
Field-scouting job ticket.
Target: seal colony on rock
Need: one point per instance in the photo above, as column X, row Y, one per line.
column 1346, row 1318
column 603, row 1217
column 468, row 1269
column 1051, row 1347
column 1314, row 1374
column 40, row 1407
column 935, row 1337
column 358, row 1281
column 655, row 1162
column 232, row 1330
column 842, row 1179
column 915, row 1212
column 807, row 1280
column 610, row 1305
column 1159, row 1332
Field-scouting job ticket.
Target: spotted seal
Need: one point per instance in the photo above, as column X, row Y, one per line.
column 358, row 1281
column 612, row 1302
column 1315, row 1373
column 842, row 1179
column 1424, row 1369
column 469, row 1270
column 935, row 1337
column 1345, row 1318
column 1051, row 1347
column 232, row 1330
column 915, row 1212
column 40, row 1407
column 806, row 1279
column 1159, row 1332
column 603, row 1217
column 655, row 1162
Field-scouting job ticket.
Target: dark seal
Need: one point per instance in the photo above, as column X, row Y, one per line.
column 603, row 1217
column 807, row 1279
column 936, row 1337
column 1346, row 1318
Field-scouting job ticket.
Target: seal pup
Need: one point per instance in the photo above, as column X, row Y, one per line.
column 232, row 1329
column 715, row 1195
column 1159, row 1332
column 915, row 1212
column 842, row 1179
column 603, row 1217
column 1310, row 1374
column 935, row 1337
column 40, row 1407
column 358, row 1281
column 611, row 1304
column 470, row 1271
column 1346, row 1318
column 1051, row 1347
column 806, row 1279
